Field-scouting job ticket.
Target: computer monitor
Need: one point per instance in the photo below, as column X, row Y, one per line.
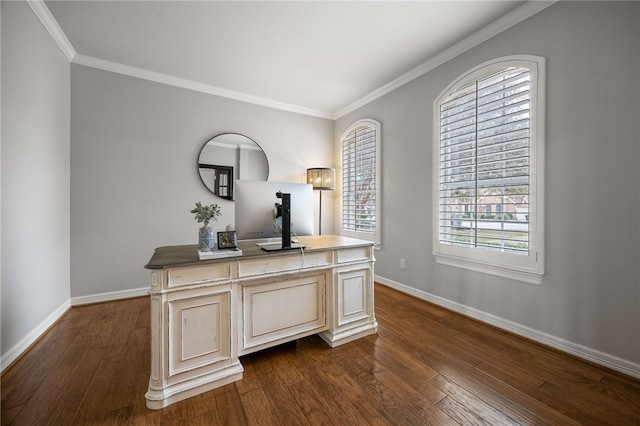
column 255, row 202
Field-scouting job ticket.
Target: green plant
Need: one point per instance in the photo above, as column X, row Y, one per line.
column 206, row 213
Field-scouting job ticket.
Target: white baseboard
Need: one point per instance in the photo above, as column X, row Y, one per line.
column 107, row 297
column 622, row 365
column 24, row 344
column 601, row 358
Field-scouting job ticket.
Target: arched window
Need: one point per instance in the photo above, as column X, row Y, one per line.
column 489, row 151
column 360, row 207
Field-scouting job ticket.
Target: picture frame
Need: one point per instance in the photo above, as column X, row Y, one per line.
column 227, row 240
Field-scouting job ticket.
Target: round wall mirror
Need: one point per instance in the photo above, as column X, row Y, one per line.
column 228, row 157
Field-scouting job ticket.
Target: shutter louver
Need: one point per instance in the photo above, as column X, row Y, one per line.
column 359, row 181
column 484, row 163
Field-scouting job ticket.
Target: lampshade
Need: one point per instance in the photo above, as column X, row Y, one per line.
column 323, row 178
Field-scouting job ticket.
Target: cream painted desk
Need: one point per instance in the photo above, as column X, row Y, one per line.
column 206, row 314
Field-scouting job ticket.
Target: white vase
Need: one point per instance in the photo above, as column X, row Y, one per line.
column 206, row 238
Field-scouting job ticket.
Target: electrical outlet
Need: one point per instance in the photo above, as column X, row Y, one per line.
column 403, row 264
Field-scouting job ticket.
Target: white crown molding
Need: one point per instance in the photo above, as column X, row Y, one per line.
column 507, row 21
column 44, row 14
column 610, row 361
column 46, row 17
column 523, row 12
column 170, row 80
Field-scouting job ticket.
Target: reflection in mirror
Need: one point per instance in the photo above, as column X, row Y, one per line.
column 228, row 157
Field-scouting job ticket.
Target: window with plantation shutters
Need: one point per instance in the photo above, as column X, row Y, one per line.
column 488, row 170
column 360, row 180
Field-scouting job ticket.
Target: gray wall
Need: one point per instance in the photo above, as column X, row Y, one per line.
column 590, row 294
column 35, row 176
column 134, row 149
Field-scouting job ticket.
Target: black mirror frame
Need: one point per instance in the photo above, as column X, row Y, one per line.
column 200, row 165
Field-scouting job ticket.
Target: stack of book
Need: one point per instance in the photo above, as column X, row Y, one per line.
column 218, row 254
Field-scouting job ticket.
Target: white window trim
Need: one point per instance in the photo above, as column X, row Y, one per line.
column 530, row 268
column 361, row 235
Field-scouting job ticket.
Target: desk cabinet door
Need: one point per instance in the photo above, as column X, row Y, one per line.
column 200, row 329
column 281, row 311
column 354, row 299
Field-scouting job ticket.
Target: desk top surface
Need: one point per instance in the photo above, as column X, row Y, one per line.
column 187, row 255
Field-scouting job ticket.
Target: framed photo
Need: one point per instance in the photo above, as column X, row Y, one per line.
column 227, row 239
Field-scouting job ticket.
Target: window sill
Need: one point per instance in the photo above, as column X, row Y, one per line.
column 526, row 275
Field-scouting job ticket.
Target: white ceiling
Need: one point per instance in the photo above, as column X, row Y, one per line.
column 319, row 57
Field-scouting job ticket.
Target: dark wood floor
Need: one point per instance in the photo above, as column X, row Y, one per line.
column 426, row 365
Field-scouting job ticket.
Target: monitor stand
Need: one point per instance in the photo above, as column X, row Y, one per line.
column 285, row 212
column 277, row 245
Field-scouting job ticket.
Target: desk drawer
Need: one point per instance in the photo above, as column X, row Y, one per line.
column 210, row 272
column 354, row 254
column 274, row 264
